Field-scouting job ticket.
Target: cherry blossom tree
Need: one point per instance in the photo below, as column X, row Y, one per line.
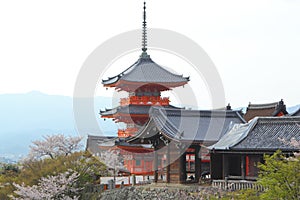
column 45, row 173
column 53, row 146
column 293, row 142
column 296, row 144
column 113, row 160
column 61, row 186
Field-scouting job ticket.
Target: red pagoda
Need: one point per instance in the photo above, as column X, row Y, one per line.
column 152, row 123
column 144, row 81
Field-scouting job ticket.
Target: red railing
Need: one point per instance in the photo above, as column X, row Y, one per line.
column 145, row 100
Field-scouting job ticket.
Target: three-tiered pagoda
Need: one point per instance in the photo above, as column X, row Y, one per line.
column 144, row 81
column 160, row 139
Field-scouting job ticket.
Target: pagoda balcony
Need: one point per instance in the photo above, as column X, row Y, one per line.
column 123, row 133
column 145, row 100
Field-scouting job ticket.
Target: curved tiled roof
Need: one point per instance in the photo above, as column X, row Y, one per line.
column 130, row 109
column 190, row 125
column 262, row 106
column 265, row 110
column 93, row 142
column 145, row 70
column 296, row 113
column 264, row 134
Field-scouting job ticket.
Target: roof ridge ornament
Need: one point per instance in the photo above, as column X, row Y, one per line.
column 144, row 34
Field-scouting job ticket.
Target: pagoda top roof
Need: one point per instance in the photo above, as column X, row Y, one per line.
column 145, row 71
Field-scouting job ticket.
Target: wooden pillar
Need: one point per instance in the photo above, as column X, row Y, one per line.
column 243, row 166
column 155, row 165
column 225, row 166
column 182, row 168
column 198, row 169
column 168, row 164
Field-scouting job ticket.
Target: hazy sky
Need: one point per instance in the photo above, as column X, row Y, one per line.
column 255, row 44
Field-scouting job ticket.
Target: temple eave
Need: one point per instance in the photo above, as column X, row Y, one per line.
column 117, row 115
column 132, row 85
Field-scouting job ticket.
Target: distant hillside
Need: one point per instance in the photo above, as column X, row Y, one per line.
column 26, row 117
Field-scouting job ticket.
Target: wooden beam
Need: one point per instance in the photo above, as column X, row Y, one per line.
column 168, row 164
column 182, row 168
column 225, row 165
column 198, row 169
column 243, row 166
column 155, row 166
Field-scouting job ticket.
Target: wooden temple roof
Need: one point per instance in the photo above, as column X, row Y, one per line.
column 195, row 126
column 296, row 113
column 261, row 134
column 265, row 110
column 135, row 148
column 145, row 71
column 130, row 109
column 93, row 142
column 96, row 144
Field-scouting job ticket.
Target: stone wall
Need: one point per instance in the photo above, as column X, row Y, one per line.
column 152, row 193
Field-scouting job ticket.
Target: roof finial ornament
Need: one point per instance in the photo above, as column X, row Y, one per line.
column 144, row 34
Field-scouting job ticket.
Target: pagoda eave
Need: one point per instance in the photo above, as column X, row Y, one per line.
column 135, row 149
column 119, row 114
column 132, row 85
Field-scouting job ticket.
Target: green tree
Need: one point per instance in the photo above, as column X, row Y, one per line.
column 280, row 176
column 87, row 166
column 8, row 175
column 50, row 157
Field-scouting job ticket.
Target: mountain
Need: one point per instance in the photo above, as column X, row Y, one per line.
column 27, row 117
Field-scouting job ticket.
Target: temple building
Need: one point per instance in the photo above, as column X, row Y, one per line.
column 144, row 81
column 265, row 110
column 160, row 139
column 181, row 137
column 236, row 155
column 179, row 145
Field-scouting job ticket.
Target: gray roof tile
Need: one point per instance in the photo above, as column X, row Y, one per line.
column 130, row 109
column 265, row 133
column 296, row 113
column 192, row 125
column 265, row 110
column 147, row 71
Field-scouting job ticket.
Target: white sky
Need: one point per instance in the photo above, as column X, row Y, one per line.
column 254, row 44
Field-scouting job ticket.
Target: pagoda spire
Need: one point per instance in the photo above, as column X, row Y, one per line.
column 144, row 34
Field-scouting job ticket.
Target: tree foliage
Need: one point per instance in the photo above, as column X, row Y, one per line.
column 62, row 186
column 113, row 160
column 53, row 146
column 280, row 176
column 84, row 163
column 48, row 161
column 8, row 174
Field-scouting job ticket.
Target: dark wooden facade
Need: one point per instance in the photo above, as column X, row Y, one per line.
column 180, row 136
column 174, row 169
column 241, row 166
column 236, row 155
